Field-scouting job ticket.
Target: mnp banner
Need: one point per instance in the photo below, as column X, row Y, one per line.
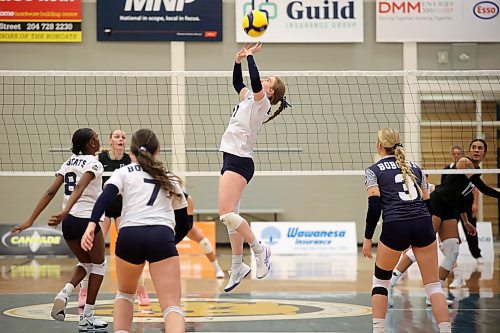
column 307, row 237
column 307, row 21
column 159, row 20
column 33, row 241
column 41, row 21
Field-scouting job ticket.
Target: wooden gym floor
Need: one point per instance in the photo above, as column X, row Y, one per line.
column 301, row 294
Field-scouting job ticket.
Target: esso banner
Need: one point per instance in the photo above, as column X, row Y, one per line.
column 307, row 237
column 306, row 21
column 33, row 241
column 438, row 21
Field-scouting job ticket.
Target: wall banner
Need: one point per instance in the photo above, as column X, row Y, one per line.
column 311, row 21
column 159, row 20
column 41, row 21
column 438, row 21
column 307, row 237
column 33, row 241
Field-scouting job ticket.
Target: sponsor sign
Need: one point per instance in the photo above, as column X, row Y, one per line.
column 485, row 238
column 438, row 21
column 40, row 21
column 307, row 237
column 159, row 20
column 33, row 241
column 306, row 21
column 189, row 246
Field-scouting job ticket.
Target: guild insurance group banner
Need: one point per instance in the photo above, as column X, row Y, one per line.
column 438, row 21
column 159, row 20
column 307, row 21
column 41, row 21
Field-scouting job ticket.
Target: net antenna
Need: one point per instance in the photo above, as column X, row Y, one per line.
column 330, row 130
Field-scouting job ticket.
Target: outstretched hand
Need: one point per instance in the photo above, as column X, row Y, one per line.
column 18, row 228
column 251, row 49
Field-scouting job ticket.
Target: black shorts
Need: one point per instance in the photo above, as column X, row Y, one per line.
column 442, row 209
column 115, row 209
column 74, row 227
column 145, row 243
column 243, row 166
column 400, row 235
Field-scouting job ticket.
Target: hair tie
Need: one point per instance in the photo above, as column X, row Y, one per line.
column 285, row 103
column 142, row 148
column 397, row 145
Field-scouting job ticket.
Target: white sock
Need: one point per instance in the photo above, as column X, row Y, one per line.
column 257, row 246
column 236, row 261
column 396, row 276
column 88, row 310
column 444, row 327
column 67, row 290
column 216, row 266
column 85, row 282
column 457, row 273
column 378, row 325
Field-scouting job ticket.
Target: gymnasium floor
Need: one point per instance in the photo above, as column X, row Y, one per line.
column 301, row 294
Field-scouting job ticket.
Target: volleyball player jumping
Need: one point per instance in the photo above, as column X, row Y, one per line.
column 237, row 145
column 397, row 189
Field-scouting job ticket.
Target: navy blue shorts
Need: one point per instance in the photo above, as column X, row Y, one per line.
column 74, row 227
column 443, row 210
column 241, row 165
column 115, row 209
column 400, row 235
column 145, row 243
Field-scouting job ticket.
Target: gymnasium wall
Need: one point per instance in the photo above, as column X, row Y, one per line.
column 335, row 198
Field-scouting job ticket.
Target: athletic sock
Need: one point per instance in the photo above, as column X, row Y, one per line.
column 257, row 246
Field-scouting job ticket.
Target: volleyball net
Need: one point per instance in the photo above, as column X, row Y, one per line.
column 330, row 128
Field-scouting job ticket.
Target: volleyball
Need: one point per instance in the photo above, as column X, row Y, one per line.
column 255, row 23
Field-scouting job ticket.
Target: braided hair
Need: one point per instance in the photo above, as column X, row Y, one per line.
column 390, row 141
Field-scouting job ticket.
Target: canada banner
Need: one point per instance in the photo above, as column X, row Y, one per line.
column 41, row 21
column 33, row 241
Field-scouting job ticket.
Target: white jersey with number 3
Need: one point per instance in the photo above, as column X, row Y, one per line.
column 244, row 125
column 72, row 170
column 144, row 201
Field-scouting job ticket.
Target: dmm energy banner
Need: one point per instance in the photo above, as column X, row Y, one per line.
column 40, row 20
column 159, row 20
column 306, row 21
column 438, row 21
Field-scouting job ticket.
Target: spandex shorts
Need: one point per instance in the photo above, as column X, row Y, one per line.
column 400, row 235
column 74, row 227
column 243, row 166
column 443, row 210
column 150, row 243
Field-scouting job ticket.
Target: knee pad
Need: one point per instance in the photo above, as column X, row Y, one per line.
column 176, row 309
column 433, row 288
column 451, row 249
column 232, row 221
column 99, row 269
column 121, row 331
column 206, row 246
column 411, row 255
column 380, row 281
column 87, row 266
column 125, row 296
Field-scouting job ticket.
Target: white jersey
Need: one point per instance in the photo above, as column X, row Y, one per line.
column 72, row 170
column 244, row 125
column 144, row 202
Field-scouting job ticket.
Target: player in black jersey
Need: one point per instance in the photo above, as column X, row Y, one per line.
column 447, row 205
column 397, row 189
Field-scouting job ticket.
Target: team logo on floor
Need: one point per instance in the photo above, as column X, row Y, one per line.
column 211, row 310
